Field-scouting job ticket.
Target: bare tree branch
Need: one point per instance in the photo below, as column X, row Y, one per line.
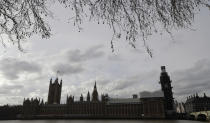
column 20, row 19
column 129, row 19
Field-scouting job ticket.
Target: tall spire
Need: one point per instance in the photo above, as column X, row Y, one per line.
column 67, row 97
column 95, row 94
column 204, row 95
column 81, row 98
column 95, row 85
column 88, row 96
column 42, row 102
column 166, row 87
column 196, row 94
column 56, row 80
column 54, row 93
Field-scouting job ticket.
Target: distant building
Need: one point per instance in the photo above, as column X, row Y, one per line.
column 153, row 104
column 195, row 103
column 31, row 106
column 124, row 107
column 95, row 94
column 153, row 107
column 166, row 87
column 150, row 105
column 8, row 112
column 54, row 94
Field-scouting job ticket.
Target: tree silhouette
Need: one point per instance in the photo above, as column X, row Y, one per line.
column 20, row 19
column 129, row 19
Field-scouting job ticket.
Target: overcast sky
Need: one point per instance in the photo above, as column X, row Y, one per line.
column 84, row 57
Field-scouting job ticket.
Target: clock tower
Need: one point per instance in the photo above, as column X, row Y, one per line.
column 167, row 90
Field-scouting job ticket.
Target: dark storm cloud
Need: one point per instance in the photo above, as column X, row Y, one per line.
column 65, row 68
column 91, row 53
column 192, row 80
column 11, row 68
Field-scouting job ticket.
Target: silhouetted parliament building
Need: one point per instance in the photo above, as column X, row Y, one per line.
column 105, row 107
column 91, row 106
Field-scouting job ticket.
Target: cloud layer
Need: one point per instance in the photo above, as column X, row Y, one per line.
column 195, row 79
column 91, row 53
column 11, row 68
column 65, row 69
column 76, row 79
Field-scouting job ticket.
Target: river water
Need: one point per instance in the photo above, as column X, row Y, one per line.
column 99, row 121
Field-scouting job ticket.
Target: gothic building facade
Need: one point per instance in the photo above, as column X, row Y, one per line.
column 95, row 94
column 166, row 87
column 197, row 103
column 54, row 94
column 105, row 107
